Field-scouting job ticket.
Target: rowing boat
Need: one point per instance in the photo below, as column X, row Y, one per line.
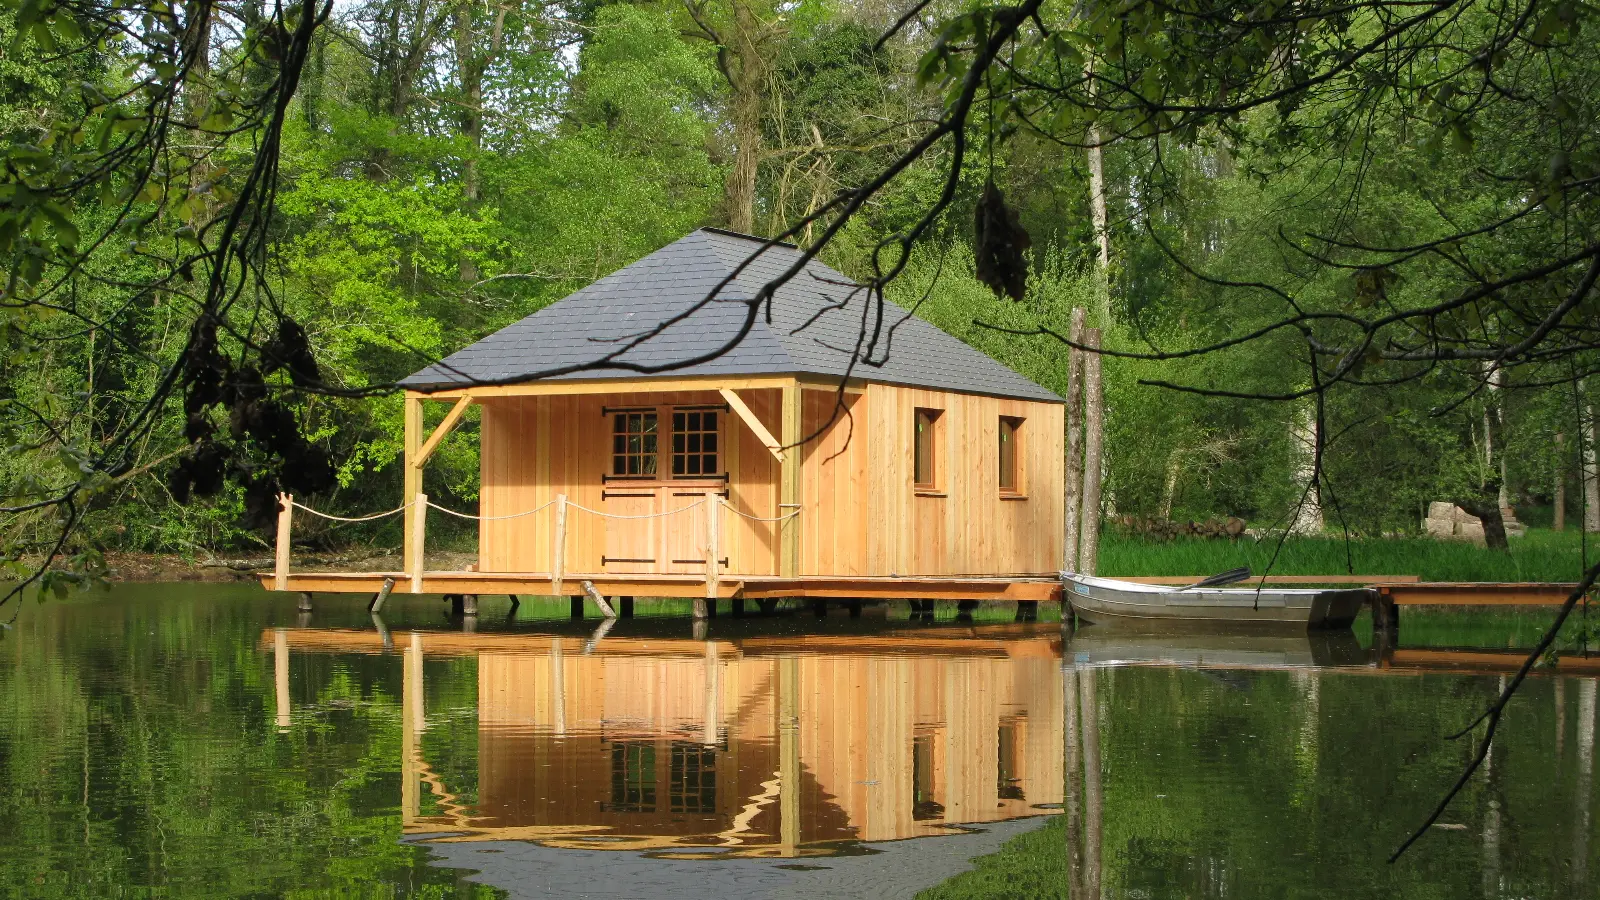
column 1107, row 600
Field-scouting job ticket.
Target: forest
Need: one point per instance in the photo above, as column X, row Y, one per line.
column 1343, row 254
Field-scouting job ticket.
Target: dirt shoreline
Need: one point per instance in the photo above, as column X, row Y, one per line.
column 167, row 567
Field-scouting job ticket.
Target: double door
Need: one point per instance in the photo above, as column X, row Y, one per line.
column 660, row 528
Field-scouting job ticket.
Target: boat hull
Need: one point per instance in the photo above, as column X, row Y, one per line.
column 1107, row 601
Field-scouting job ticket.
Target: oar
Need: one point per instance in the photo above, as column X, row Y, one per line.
column 1232, row 576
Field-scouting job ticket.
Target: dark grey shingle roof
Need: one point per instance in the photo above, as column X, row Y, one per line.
column 586, row 325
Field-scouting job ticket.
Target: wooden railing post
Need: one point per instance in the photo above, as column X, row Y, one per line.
column 417, row 540
column 713, row 571
column 280, row 571
column 558, row 552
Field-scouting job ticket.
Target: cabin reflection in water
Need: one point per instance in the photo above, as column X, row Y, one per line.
column 767, row 746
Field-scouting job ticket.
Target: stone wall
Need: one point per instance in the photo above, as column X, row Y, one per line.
column 1446, row 521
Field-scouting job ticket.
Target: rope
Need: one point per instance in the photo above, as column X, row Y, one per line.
column 782, row 518
column 462, row 515
column 324, row 515
column 649, row 516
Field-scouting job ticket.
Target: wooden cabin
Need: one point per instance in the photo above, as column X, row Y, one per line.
column 631, row 437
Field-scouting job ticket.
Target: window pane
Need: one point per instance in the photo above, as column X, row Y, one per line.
column 924, row 462
column 694, row 443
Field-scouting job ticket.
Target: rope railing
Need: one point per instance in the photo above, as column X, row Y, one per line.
column 413, row 551
column 483, row 518
column 298, row 505
column 659, row 515
column 783, row 518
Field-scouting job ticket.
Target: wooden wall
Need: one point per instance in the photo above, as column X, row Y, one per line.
column 861, row 514
column 534, row 448
column 548, row 723
column 965, row 528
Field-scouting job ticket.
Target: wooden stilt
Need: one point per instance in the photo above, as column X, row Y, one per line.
column 383, row 632
column 305, row 601
column 383, row 594
column 700, row 629
column 700, row 611
column 599, row 599
column 469, row 604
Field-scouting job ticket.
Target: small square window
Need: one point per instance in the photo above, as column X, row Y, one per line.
column 633, row 443
column 694, row 443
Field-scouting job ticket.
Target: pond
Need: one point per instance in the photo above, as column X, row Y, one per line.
column 207, row 740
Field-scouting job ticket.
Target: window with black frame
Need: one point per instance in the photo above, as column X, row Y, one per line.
column 694, row 443
column 633, row 444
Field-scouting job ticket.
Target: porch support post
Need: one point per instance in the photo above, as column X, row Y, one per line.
column 713, row 572
column 558, row 552
column 416, row 537
column 280, row 562
column 413, row 445
column 413, row 486
column 789, row 484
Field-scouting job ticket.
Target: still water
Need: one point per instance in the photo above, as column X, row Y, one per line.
column 204, row 740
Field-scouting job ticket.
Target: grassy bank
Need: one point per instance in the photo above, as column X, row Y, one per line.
column 1540, row 555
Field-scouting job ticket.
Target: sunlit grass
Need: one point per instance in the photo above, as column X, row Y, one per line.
column 1541, row 555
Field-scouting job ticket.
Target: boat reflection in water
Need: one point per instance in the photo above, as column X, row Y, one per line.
column 762, row 746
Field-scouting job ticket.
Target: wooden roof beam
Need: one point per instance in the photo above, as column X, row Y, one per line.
column 737, row 404
column 439, row 434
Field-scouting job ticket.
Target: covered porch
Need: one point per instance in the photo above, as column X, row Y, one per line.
column 746, row 487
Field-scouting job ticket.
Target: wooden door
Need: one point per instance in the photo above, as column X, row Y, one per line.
column 632, row 544
column 685, row 535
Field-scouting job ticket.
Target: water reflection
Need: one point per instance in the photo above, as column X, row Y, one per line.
column 762, row 746
column 175, row 740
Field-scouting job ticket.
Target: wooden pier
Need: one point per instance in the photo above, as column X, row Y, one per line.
column 734, row 587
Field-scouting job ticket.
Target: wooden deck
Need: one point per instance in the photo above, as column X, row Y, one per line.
column 737, row 587
column 1456, row 593
column 1391, row 590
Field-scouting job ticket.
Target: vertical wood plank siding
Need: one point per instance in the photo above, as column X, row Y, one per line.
column 861, row 514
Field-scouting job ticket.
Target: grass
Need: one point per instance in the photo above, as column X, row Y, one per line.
column 1540, row 555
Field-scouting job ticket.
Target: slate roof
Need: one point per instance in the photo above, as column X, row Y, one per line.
column 814, row 326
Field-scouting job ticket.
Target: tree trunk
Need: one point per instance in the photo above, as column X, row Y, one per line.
column 1072, row 483
column 1591, row 478
column 1558, row 519
column 1097, row 210
column 747, row 77
column 1308, row 515
column 471, row 64
column 1094, row 431
column 1486, row 506
column 1169, row 489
